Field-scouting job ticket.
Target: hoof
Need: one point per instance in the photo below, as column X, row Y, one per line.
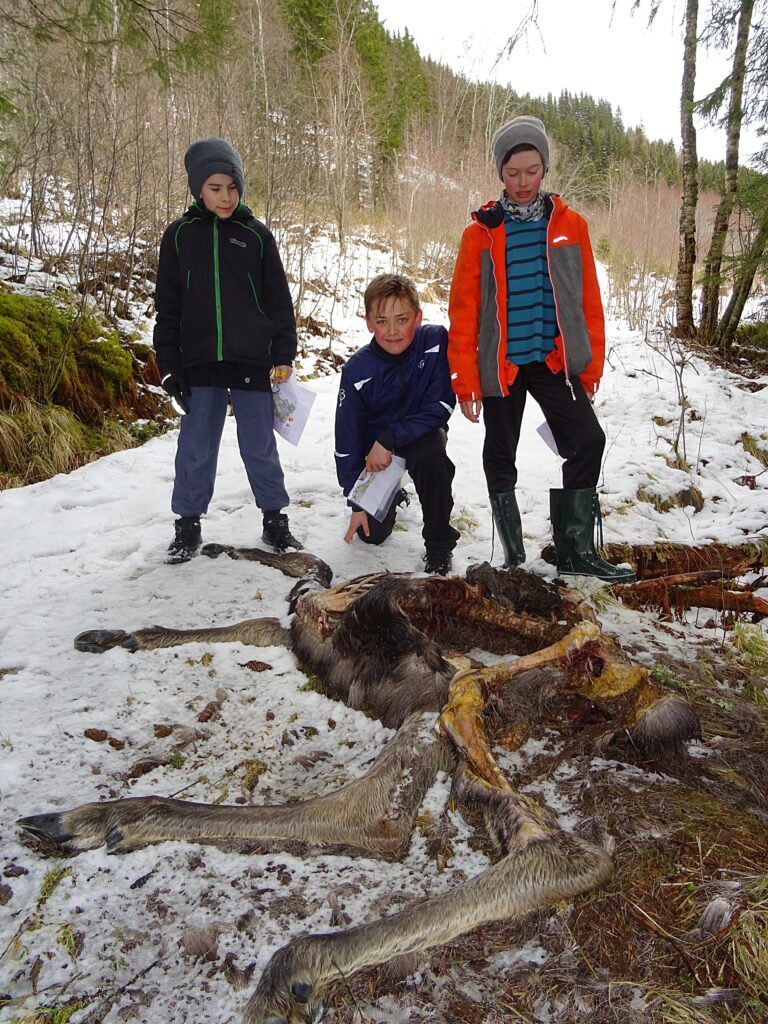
column 214, row 550
column 46, row 831
column 96, row 641
column 110, row 822
column 663, row 729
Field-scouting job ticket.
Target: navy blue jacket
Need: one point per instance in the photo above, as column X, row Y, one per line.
column 391, row 399
column 221, row 294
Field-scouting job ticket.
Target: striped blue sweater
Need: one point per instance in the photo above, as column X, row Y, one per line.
column 531, row 320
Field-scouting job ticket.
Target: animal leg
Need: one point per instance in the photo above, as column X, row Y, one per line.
column 266, row 632
column 542, row 865
column 295, row 564
column 373, row 815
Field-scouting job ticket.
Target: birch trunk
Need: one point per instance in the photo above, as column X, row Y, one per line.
column 708, row 327
column 687, row 252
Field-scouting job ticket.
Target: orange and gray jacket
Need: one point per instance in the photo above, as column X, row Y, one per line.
column 477, row 345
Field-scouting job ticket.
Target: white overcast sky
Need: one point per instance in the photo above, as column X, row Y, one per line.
column 580, row 48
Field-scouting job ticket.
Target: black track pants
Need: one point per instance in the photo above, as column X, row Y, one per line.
column 432, row 473
column 579, row 437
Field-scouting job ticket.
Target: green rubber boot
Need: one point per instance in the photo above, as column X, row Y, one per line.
column 506, row 515
column 573, row 515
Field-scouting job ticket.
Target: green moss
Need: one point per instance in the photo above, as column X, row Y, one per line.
column 68, row 393
column 107, row 358
column 145, row 430
column 52, row 353
column 19, row 358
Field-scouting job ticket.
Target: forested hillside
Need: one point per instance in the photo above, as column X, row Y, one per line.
column 335, row 118
column 344, row 128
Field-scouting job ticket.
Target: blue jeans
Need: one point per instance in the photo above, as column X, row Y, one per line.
column 198, row 449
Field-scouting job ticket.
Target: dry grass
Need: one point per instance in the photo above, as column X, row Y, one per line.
column 751, row 445
column 37, row 442
column 687, row 496
column 751, row 643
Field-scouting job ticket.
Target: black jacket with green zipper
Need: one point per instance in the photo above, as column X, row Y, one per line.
column 221, row 294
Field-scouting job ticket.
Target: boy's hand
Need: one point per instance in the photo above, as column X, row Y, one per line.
column 176, row 387
column 378, row 458
column 282, row 373
column 356, row 520
column 471, row 410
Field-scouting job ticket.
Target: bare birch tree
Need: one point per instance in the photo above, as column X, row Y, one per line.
column 687, row 253
column 710, row 295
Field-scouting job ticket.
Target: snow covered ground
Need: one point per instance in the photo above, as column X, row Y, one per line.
column 86, row 550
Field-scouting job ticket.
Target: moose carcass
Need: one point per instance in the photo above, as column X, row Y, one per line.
column 391, row 644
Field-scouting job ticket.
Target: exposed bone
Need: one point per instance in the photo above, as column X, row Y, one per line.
column 461, row 718
column 582, row 633
column 478, row 609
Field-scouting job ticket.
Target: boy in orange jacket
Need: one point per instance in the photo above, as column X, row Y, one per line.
column 526, row 317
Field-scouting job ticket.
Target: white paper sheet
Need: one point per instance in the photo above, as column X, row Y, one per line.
column 292, row 407
column 547, row 436
column 374, row 492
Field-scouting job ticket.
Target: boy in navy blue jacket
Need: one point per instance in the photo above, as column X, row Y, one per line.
column 224, row 323
column 395, row 398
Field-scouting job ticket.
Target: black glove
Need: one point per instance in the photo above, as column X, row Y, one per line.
column 176, row 387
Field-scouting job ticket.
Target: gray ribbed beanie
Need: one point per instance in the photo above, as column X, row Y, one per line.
column 527, row 130
column 212, row 156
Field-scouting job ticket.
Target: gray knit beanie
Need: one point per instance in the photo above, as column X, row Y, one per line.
column 212, row 156
column 523, row 130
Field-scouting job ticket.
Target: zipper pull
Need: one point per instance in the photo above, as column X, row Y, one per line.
column 570, row 388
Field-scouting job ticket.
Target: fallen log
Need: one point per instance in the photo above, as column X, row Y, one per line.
column 668, row 596
column 652, row 561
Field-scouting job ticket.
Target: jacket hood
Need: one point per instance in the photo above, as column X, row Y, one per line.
column 492, row 213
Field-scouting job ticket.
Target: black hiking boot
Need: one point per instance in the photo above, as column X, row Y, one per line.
column 187, row 541
column 401, row 498
column 277, row 532
column 438, row 561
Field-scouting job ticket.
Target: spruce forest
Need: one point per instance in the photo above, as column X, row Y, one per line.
column 336, row 119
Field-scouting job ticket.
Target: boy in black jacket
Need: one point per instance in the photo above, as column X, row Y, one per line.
column 395, row 397
column 224, row 320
